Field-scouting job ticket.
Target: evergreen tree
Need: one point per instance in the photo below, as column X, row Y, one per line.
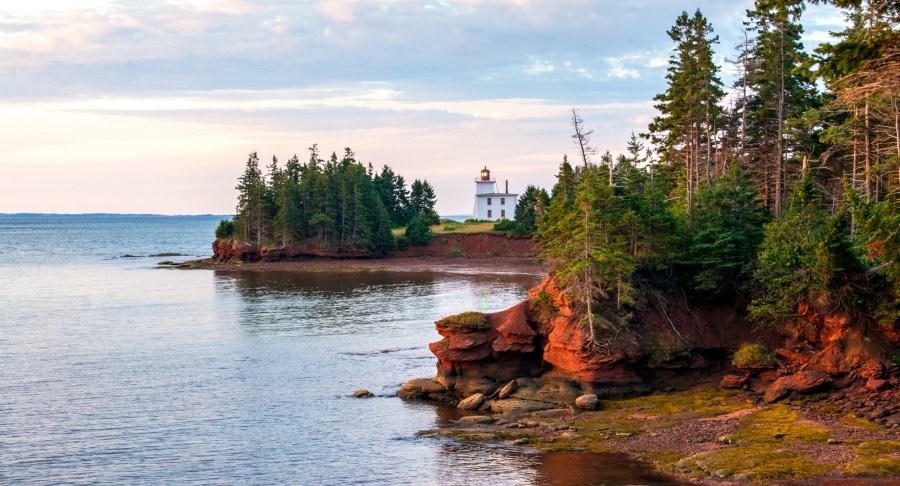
column 418, row 231
column 422, row 201
column 251, row 208
column 780, row 93
column 690, row 107
column 727, row 229
column 529, row 207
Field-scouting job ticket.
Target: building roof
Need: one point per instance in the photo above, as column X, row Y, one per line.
column 496, row 194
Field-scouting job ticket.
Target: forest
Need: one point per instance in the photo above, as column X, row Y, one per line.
column 337, row 204
column 779, row 190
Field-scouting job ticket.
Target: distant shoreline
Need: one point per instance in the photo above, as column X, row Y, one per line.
column 461, row 265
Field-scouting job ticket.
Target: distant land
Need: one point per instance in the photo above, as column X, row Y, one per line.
column 107, row 215
column 455, row 217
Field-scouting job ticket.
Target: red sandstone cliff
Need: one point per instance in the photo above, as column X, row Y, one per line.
column 442, row 244
column 540, row 342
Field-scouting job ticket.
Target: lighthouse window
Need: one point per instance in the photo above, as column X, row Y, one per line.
column 502, row 213
column 489, row 214
column 489, row 201
column 503, row 201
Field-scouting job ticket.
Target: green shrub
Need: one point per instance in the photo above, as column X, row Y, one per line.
column 402, row 242
column 451, row 227
column 418, row 232
column 470, row 320
column 225, row 231
column 512, row 227
column 456, row 252
column 753, row 354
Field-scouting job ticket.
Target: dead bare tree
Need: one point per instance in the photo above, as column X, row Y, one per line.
column 582, row 138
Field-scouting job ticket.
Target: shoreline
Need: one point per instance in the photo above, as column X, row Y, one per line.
column 460, row 265
column 709, row 435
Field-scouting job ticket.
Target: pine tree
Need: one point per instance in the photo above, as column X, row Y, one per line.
column 422, row 200
column 690, row 107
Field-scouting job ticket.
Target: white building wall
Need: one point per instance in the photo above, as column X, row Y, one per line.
column 500, row 202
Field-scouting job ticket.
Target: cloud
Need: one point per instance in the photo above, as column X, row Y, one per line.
column 101, row 90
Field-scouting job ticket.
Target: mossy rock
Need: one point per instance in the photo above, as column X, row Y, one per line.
column 754, row 355
column 465, row 320
column 874, row 467
column 759, row 463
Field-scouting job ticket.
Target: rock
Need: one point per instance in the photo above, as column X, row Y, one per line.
column 515, row 405
column 877, row 413
column 507, row 390
column 586, row 402
column 485, row 405
column 471, row 403
column 779, row 435
column 801, row 382
column 517, row 442
column 893, row 419
column 624, row 434
column 167, row 262
column 835, row 441
column 420, row 388
column 476, row 419
column 721, row 473
column 875, row 385
column 362, row 394
column 733, row 381
column 791, row 357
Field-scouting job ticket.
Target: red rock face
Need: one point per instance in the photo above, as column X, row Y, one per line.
column 543, row 335
column 449, row 245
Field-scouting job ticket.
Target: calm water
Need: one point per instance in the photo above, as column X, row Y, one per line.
column 113, row 370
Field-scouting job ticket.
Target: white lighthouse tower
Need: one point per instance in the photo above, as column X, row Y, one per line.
column 491, row 204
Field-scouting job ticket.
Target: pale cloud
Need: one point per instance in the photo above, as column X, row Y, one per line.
column 107, row 104
column 339, row 10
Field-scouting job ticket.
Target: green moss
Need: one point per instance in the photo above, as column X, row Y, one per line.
column 862, row 423
column 753, row 354
column 762, row 427
column 873, row 448
column 874, row 467
column 470, row 320
column 830, row 409
column 758, row 463
column 708, row 402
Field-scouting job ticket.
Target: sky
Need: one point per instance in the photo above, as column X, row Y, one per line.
column 153, row 106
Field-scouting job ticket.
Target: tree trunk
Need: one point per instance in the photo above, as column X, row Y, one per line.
column 868, row 148
column 779, row 169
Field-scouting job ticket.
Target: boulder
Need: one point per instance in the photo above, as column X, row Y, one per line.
column 476, row 419
column 471, row 403
column 507, row 390
column 515, row 405
column 420, row 388
column 733, row 381
column 800, row 382
column 874, row 384
column 362, row 394
column 586, row 402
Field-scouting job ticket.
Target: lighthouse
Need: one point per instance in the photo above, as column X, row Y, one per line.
column 490, row 203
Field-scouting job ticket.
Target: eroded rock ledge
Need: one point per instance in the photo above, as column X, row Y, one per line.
column 537, row 346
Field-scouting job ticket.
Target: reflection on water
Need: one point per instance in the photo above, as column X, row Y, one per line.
column 115, row 371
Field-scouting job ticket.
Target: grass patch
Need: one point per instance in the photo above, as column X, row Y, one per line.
column 873, row 448
column 758, row 463
column 753, row 354
column 468, row 320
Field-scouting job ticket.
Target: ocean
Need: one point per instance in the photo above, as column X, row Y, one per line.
column 115, row 370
